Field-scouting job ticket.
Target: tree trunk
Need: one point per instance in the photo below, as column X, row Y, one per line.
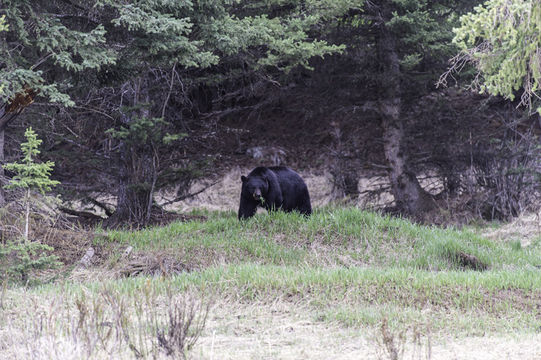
column 410, row 198
column 135, row 187
column 137, row 171
column 343, row 166
column 27, row 216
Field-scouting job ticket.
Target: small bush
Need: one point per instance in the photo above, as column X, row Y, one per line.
column 17, row 259
column 144, row 326
column 184, row 324
column 392, row 345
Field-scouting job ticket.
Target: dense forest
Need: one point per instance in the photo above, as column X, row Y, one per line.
column 132, row 98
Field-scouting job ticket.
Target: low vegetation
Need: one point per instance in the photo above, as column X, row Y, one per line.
column 341, row 267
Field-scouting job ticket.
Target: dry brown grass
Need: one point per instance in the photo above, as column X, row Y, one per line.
column 526, row 228
column 287, row 331
column 125, row 264
column 392, row 345
column 106, row 325
column 153, row 264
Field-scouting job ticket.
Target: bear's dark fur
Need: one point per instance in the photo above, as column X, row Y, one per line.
column 274, row 188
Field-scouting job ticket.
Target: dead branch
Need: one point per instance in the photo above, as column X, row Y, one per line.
column 184, row 197
column 83, row 214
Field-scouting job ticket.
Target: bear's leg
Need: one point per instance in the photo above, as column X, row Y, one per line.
column 304, row 206
column 247, row 209
column 305, row 209
column 273, row 201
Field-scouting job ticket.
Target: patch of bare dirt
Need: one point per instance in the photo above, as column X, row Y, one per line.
column 161, row 217
column 123, row 263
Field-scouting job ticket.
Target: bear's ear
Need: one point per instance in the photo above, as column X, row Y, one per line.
column 243, row 178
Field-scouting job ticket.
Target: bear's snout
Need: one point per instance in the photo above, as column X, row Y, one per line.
column 257, row 194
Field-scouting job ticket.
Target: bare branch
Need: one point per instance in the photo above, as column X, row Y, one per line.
column 184, row 197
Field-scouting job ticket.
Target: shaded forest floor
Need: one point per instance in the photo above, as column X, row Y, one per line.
column 343, row 284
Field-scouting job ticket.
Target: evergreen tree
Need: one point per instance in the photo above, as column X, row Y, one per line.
column 135, row 69
column 119, row 53
column 30, row 175
column 43, row 48
column 188, row 42
column 404, row 45
column 409, row 37
column 502, row 39
column 47, row 42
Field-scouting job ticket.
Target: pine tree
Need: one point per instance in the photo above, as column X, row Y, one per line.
column 187, row 41
column 502, row 39
column 18, row 258
column 47, row 42
column 30, row 175
column 403, row 46
column 70, row 50
column 45, row 45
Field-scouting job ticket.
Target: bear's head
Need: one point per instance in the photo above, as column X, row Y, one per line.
column 255, row 186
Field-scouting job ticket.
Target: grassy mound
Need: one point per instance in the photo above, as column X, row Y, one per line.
column 331, row 237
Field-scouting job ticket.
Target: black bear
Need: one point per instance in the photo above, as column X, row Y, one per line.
column 273, row 188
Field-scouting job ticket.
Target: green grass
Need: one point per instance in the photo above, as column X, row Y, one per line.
column 343, row 266
column 345, row 237
column 491, row 301
column 352, row 260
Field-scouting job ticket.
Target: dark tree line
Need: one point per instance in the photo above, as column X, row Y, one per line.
column 138, row 96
